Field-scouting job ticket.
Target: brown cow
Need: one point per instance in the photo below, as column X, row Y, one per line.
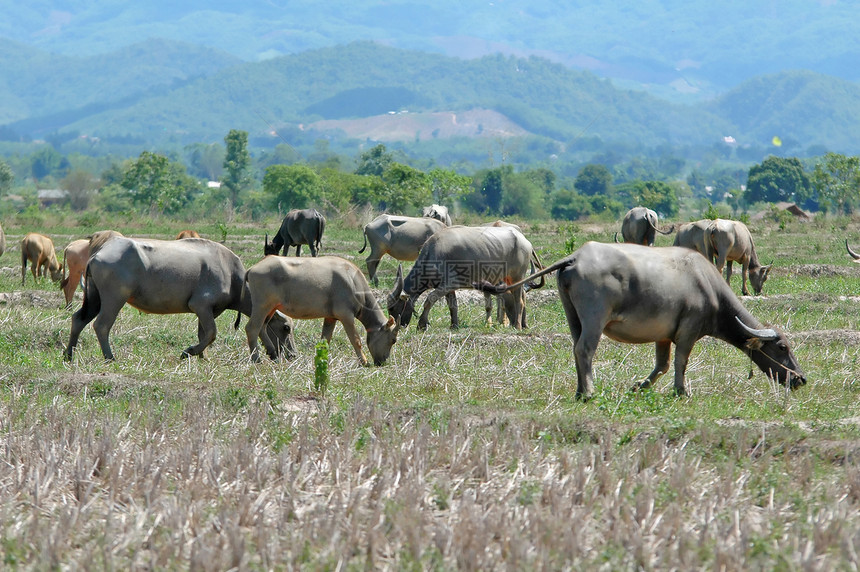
column 39, row 250
column 187, row 234
column 75, row 256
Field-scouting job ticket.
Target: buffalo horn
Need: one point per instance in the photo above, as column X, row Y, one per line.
column 763, row 333
column 853, row 254
column 398, row 286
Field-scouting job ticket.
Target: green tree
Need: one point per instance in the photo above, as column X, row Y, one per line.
column 836, row 178
column 206, row 160
column 374, row 161
column 777, row 179
column 237, row 159
column 594, row 180
column 47, row 161
column 405, row 188
column 292, row 186
column 81, row 186
column 157, row 184
column 523, row 195
column 447, row 186
column 657, row 196
column 7, row 177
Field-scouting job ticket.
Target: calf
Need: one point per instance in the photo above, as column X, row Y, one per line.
column 327, row 287
column 39, row 250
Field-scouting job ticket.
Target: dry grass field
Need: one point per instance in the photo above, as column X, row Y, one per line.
column 467, row 451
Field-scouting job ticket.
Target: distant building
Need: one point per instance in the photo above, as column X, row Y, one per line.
column 48, row 197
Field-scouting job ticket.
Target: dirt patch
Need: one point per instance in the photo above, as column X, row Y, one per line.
column 821, row 270
column 40, row 299
column 406, row 126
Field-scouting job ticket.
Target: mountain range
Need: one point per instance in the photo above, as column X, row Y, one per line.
column 655, row 73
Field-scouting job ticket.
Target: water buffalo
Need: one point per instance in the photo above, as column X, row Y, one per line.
column 458, row 256
column 851, row 253
column 2, row 241
column 187, row 234
column 401, row 237
column 39, row 250
column 640, row 226
column 438, row 212
column 731, row 241
column 298, row 227
column 193, row 275
column 635, row 294
column 75, row 257
column 694, row 235
column 328, row 287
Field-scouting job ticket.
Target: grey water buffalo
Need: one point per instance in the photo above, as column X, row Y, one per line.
column 193, row 275
column 39, row 250
column 730, row 241
column 635, row 294
column 639, row 226
column 2, row 241
column 694, row 235
column 328, row 287
column 298, row 227
column 438, row 212
column 457, row 257
column 187, row 234
column 851, row 253
column 401, row 237
column 75, row 257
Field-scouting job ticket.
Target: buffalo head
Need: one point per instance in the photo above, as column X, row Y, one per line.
column 769, row 350
column 758, row 276
column 380, row 341
column 269, row 247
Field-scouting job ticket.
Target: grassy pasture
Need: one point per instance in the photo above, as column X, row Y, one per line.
column 466, row 451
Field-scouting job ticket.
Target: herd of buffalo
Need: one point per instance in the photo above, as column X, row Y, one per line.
column 628, row 291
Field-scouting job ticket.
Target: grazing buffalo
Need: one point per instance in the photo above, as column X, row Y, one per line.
column 457, row 257
column 851, row 253
column 640, row 227
column 39, row 250
column 635, row 294
column 694, row 235
column 75, row 257
column 187, row 234
column 298, row 227
column 193, row 275
column 730, row 240
column 2, row 241
column 328, row 287
column 401, row 237
column 438, row 212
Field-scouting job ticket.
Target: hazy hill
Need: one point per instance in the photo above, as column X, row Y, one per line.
column 163, row 93
column 35, row 83
column 801, row 107
column 684, row 45
column 367, row 79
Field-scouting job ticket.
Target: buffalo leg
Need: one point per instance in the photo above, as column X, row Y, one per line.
column 354, row 339
column 451, row 298
column 298, row 250
column 584, row 346
column 744, row 273
column 80, row 319
column 103, row 324
column 432, row 298
column 254, row 330
column 206, row 328
column 488, row 309
column 662, row 352
column 328, row 329
column 372, row 265
column 683, row 349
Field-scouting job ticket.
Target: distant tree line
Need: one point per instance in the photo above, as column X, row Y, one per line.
column 280, row 179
